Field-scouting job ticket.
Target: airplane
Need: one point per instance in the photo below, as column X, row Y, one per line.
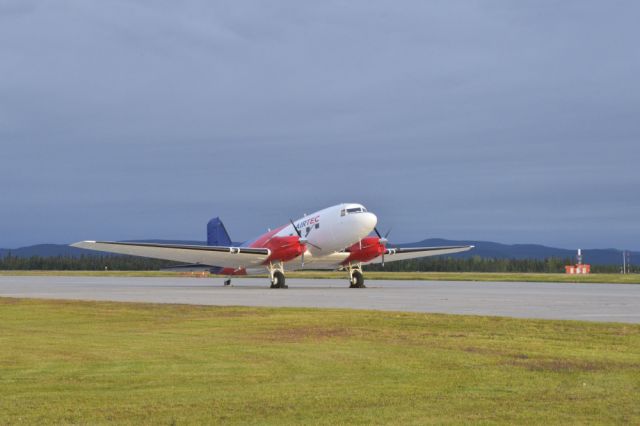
column 335, row 238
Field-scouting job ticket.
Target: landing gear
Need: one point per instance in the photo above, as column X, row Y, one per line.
column 227, row 281
column 356, row 278
column 276, row 272
column 278, row 280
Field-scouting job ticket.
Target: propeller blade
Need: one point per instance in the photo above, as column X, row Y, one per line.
column 295, row 229
column 381, row 239
column 302, row 239
column 311, row 244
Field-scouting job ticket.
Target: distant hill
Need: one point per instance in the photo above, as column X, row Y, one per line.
column 490, row 249
column 53, row 250
column 486, row 249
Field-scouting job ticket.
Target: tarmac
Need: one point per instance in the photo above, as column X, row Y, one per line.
column 585, row 302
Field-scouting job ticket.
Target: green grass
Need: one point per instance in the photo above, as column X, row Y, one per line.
column 370, row 275
column 100, row 362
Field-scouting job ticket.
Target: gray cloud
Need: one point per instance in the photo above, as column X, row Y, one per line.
column 508, row 121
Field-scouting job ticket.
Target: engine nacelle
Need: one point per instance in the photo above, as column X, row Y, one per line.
column 367, row 249
column 284, row 248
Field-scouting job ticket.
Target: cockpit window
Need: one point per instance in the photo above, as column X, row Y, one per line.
column 352, row 210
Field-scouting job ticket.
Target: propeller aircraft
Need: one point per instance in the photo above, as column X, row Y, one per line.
column 335, row 238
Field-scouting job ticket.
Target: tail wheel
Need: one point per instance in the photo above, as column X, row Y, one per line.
column 278, row 280
column 357, row 280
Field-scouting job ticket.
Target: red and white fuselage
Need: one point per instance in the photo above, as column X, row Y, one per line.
column 328, row 232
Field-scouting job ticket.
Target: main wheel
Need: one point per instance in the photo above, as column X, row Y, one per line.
column 278, row 280
column 357, row 280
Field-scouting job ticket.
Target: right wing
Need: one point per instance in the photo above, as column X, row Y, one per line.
column 227, row 257
column 393, row 254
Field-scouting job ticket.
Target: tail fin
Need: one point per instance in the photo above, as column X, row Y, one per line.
column 217, row 234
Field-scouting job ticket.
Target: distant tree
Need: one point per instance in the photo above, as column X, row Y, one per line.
column 87, row 263
column 427, row 264
column 480, row 264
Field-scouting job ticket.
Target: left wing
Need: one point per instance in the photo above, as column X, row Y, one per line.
column 393, row 254
column 227, row 257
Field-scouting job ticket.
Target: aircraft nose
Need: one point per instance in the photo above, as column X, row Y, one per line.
column 369, row 221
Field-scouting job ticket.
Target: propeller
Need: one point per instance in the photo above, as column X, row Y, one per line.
column 302, row 240
column 383, row 240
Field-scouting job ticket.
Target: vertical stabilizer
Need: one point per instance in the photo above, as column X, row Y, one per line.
column 217, row 234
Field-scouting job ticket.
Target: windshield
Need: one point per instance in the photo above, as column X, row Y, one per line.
column 352, row 210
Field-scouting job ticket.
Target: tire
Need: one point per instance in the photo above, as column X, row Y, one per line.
column 357, row 280
column 278, row 280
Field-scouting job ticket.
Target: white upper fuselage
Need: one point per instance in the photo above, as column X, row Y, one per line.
column 334, row 228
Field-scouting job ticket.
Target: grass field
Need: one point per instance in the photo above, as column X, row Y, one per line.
column 369, row 275
column 100, row 362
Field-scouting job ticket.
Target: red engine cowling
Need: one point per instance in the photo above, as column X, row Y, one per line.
column 284, row 248
column 367, row 249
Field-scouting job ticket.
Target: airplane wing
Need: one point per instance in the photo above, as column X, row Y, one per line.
column 227, row 257
column 393, row 254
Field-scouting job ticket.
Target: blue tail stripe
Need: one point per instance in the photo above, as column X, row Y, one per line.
column 217, row 234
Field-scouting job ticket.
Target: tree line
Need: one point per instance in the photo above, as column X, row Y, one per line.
column 426, row 264
column 82, row 263
column 484, row 264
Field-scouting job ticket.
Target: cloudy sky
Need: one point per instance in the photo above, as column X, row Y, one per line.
column 495, row 120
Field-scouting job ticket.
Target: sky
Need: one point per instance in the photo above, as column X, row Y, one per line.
column 515, row 122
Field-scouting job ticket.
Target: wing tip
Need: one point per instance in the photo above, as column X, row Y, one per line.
column 81, row 244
